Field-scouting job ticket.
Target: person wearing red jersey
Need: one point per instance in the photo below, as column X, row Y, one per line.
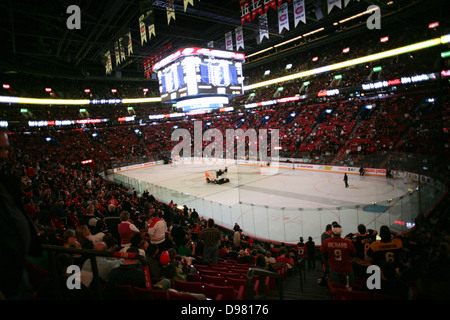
column 338, row 253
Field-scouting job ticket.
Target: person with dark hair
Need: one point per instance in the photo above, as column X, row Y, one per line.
column 346, row 180
column 157, row 230
column 152, row 256
column 325, row 235
column 362, row 241
column 129, row 273
column 210, row 236
column 338, row 253
column 104, row 264
column 178, row 268
column 386, row 250
column 18, row 236
column 311, row 250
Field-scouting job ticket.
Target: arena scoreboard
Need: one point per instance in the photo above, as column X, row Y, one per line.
column 199, row 72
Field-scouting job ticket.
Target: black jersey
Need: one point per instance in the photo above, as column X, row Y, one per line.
column 362, row 244
column 389, row 251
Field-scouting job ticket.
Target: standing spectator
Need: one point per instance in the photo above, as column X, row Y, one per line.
column 386, row 250
column 302, row 251
column 362, row 241
column 237, row 238
column 325, row 235
column 311, row 249
column 126, row 229
column 210, row 236
column 338, row 252
column 157, row 230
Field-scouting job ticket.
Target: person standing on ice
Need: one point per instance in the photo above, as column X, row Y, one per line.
column 346, row 180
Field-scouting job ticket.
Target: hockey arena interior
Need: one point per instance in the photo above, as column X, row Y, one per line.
column 225, row 150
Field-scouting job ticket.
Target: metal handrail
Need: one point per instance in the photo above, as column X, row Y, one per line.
column 263, row 274
column 92, row 254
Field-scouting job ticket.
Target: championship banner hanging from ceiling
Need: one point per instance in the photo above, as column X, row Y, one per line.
column 117, row 54
column 281, row 1
column 332, row 3
column 283, row 18
column 239, row 38
column 299, row 12
column 186, row 2
column 121, row 50
column 108, row 65
column 257, row 8
column 170, row 11
column 270, row 4
column 142, row 30
column 263, row 27
column 245, row 11
column 130, row 44
column 151, row 31
column 229, row 41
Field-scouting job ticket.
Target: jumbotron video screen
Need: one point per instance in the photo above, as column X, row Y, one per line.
column 194, row 72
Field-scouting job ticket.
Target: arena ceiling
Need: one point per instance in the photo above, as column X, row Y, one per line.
column 36, row 39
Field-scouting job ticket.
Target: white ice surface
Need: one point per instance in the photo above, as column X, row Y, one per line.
column 277, row 195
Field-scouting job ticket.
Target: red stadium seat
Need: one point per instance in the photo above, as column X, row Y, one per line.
column 217, row 280
column 215, row 292
column 186, row 286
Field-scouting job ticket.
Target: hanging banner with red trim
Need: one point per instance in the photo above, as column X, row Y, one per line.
column 108, row 66
column 130, row 44
column 245, row 11
column 299, row 12
column 283, row 18
column 263, row 27
column 239, row 38
column 270, row 4
column 281, row 1
column 257, row 8
column 170, row 9
column 116, row 51
column 143, row 30
column 229, row 41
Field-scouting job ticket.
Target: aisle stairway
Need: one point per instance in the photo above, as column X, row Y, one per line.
column 305, row 288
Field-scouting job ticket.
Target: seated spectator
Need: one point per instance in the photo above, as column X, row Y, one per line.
column 104, row 264
column 130, row 273
column 83, row 235
column 178, row 267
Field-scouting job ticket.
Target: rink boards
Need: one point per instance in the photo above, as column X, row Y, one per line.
column 281, row 202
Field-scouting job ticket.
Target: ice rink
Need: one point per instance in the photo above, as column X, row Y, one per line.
column 280, row 204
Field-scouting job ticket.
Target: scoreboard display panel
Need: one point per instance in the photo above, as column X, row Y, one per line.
column 194, row 72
